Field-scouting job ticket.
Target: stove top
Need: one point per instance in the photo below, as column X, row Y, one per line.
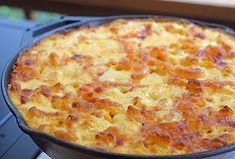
column 13, row 143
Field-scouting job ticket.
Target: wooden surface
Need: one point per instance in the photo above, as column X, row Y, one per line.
column 222, row 11
column 210, row 9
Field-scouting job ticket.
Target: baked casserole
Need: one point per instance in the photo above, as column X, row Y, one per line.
column 137, row 86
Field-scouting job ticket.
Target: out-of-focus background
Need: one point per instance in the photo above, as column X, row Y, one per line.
column 220, row 11
column 17, row 13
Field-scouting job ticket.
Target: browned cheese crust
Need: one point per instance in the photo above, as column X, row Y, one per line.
column 141, row 86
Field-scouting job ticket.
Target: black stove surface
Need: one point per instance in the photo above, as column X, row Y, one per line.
column 13, row 143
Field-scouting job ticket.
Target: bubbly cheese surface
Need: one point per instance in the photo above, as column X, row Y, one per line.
column 140, row 86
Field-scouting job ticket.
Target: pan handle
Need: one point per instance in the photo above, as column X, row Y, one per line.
column 41, row 29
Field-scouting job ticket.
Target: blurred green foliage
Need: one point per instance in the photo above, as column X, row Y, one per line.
column 41, row 16
column 13, row 13
column 17, row 13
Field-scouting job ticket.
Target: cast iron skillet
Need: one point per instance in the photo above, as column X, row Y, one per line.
column 60, row 149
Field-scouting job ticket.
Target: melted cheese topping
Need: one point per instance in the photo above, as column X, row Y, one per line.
column 149, row 86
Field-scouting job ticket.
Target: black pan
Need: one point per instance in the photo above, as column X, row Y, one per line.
column 60, row 149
